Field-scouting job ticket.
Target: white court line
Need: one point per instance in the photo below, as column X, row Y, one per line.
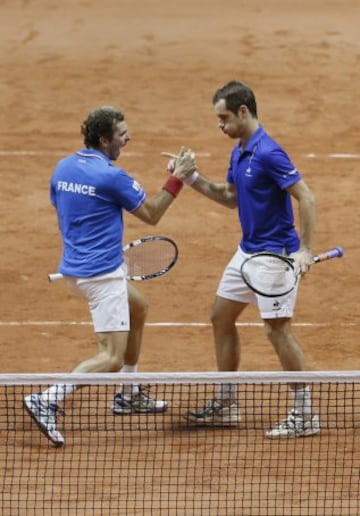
column 19, row 153
column 333, row 156
column 172, row 324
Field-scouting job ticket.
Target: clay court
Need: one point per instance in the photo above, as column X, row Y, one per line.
column 160, row 62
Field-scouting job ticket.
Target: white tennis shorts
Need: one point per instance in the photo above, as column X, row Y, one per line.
column 107, row 297
column 233, row 287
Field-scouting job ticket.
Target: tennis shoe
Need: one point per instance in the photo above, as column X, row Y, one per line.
column 216, row 412
column 295, row 426
column 44, row 414
column 137, row 403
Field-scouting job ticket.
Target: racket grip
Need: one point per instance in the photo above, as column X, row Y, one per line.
column 336, row 252
column 55, row 276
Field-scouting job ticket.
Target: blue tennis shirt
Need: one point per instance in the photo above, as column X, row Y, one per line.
column 89, row 195
column 261, row 174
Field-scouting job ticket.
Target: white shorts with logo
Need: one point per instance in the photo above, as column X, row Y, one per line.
column 107, row 297
column 233, row 287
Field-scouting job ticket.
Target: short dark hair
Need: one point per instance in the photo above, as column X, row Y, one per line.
column 101, row 121
column 235, row 95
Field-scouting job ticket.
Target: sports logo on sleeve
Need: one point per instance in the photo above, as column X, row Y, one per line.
column 136, row 186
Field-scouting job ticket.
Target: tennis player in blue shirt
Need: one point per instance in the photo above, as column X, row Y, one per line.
column 89, row 194
column 260, row 182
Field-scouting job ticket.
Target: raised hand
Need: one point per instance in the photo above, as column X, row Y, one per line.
column 181, row 165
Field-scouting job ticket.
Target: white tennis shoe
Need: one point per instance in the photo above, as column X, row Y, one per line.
column 216, row 412
column 44, row 414
column 295, row 425
column 137, row 403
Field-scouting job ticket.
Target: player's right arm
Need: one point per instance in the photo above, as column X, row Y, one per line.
column 222, row 193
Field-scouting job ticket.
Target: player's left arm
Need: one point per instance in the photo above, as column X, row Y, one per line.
column 306, row 205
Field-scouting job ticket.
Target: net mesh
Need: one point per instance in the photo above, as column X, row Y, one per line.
column 151, row 464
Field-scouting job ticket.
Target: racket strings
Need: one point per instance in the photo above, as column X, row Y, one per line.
column 269, row 275
column 149, row 258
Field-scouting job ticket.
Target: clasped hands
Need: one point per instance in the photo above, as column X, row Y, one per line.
column 181, row 165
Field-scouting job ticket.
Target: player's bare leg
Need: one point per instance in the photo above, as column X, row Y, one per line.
column 227, row 344
column 134, row 397
column 285, row 344
column 110, row 357
column 223, row 409
column 300, row 421
column 138, row 312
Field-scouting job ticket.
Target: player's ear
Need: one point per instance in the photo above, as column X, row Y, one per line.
column 104, row 142
column 242, row 111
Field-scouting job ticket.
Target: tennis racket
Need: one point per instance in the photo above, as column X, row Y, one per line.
column 146, row 258
column 273, row 275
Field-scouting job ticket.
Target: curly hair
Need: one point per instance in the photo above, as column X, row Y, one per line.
column 236, row 94
column 100, row 122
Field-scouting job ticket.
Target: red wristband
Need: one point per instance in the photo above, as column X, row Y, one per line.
column 173, row 185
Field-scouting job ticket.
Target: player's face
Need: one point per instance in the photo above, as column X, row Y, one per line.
column 120, row 138
column 228, row 122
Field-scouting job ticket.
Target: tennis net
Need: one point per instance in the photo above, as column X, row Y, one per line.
column 165, row 464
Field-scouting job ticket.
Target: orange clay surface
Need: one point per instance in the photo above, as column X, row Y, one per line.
column 160, row 62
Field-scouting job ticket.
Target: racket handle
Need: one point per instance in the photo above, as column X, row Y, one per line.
column 336, row 252
column 55, row 276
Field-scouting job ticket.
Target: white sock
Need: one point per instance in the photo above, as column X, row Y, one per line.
column 302, row 401
column 57, row 393
column 226, row 392
column 129, row 390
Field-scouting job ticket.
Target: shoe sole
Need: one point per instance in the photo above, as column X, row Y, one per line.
column 294, row 436
column 41, row 427
column 213, row 421
column 138, row 411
